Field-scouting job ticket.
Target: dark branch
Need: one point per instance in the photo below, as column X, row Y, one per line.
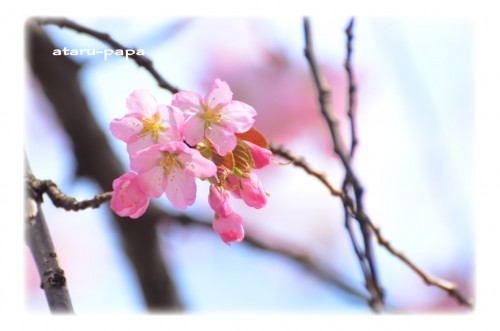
column 141, row 60
column 351, row 103
column 61, row 200
column 39, row 241
column 365, row 259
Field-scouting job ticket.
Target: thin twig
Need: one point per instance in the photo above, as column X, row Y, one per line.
column 301, row 162
column 445, row 285
column 351, row 103
column 366, row 259
column 141, row 60
column 39, row 241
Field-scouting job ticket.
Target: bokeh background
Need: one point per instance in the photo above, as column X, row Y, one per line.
column 415, row 125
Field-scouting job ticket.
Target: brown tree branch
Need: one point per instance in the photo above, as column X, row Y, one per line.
column 351, row 92
column 301, row 163
column 366, row 258
column 61, row 200
column 39, row 241
column 141, row 60
column 431, row 280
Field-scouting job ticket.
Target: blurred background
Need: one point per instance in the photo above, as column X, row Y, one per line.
column 415, row 129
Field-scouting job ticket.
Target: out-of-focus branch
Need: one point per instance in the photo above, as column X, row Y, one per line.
column 141, row 60
column 39, row 241
column 365, row 258
column 289, row 251
column 58, row 76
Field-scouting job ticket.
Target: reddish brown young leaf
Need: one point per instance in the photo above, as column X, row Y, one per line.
column 254, row 136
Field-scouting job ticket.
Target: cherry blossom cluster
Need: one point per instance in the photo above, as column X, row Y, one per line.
column 169, row 146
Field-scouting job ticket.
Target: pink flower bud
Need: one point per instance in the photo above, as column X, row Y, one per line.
column 128, row 199
column 249, row 188
column 218, row 199
column 261, row 156
column 230, row 228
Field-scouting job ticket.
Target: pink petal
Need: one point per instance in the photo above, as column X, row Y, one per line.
column 187, row 102
column 146, row 159
column 261, row 156
column 230, row 229
column 125, row 127
column 180, row 188
column 196, row 165
column 151, row 182
column 252, row 192
column 172, row 117
column 193, row 130
column 233, row 185
column 240, row 116
column 223, row 139
column 138, row 143
column 219, row 95
column 141, row 101
column 128, row 199
column 218, row 200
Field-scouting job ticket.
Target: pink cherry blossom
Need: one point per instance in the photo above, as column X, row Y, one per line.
column 249, row 188
column 218, row 199
column 217, row 116
column 128, row 198
column 148, row 122
column 261, row 156
column 171, row 168
column 230, row 228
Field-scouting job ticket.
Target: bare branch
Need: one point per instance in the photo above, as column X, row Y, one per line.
column 351, row 103
column 39, row 241
column 365, row 259
column 141, row 60
column 61, row 200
